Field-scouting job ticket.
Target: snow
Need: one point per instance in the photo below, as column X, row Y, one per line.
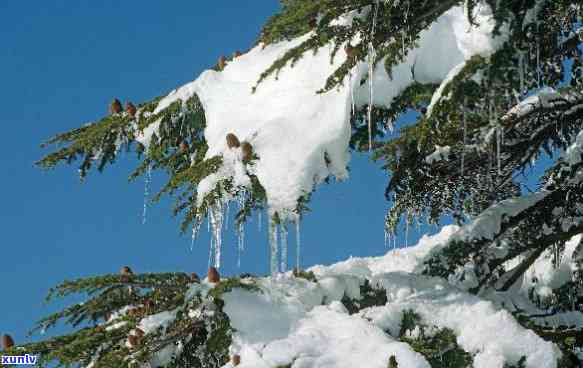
column 291, row 127
column 301, row 137
column 543, row 98
column 546, row 275
column 440, row 153
column 302, row 323
column 153, row 322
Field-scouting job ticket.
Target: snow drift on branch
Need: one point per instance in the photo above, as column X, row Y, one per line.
column 291, row 128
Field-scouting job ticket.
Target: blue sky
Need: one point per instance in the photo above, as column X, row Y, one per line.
column 62, row 62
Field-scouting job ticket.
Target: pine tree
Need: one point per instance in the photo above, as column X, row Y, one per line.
column 492, row 120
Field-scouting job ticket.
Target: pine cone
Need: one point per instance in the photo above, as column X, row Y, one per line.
column 233, row 141
column 313, row 23
column 126, row 273
column 115, row 107
column 194, row 277
column 236, row 360
column 213, row 275
column 131, row 109
column 222, row 62
column 184, row 148
column 237, row 54
column 247, row 150
column 350, row 51
column 7, row 342
column 133, row 341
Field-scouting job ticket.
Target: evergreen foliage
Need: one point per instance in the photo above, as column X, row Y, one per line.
column 197, row 332
column 438, row 345
column 498, row 117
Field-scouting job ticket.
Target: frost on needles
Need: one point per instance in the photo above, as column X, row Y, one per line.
column 497, row 87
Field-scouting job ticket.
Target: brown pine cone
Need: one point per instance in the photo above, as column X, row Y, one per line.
column 222, row 62
column 247, row 150
column 7, row 342
column 213, row 275
column 126, row 273
column 236, row 360
column 233, row 141
column 115, row 107
column 350, row 51
column 133, row 340
column 184, row 148
column 131, row 109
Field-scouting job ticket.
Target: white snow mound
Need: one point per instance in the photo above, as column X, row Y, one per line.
column 301, row 323
column 302, row 137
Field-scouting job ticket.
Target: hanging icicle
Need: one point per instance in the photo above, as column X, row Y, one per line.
column 274, row 244
column 298, row 244
column 352, row 101
column 147, row 185
column 283, row 266
column 371, row 62
column 464, row 128
column 195, row 230
column 240, row 242
column 216, row 217
column 521, row 71
column 407, row 230
column 240, row 229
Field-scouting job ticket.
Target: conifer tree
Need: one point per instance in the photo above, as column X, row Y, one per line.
column 475, row 135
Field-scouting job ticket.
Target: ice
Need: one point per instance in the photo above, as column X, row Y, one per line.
column 147, row 184
column 371, row 60
column 298, row 244
column 216, row 217
column 283, row 230
column 273, row 245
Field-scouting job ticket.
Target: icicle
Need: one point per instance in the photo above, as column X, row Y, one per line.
column 240, row 242
column 298, row 244
column 387, row 238
column 538, row 68
column 371, row 60
column 240, row 230
column 227, row 210
column 217, row 220
column 521, row 71
column 147, row 185
column 211, row 247
column 283, row 267
column 464, row 140
column 407, row 231
column 273, row 243
column 353, row 103
column 195, row 229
